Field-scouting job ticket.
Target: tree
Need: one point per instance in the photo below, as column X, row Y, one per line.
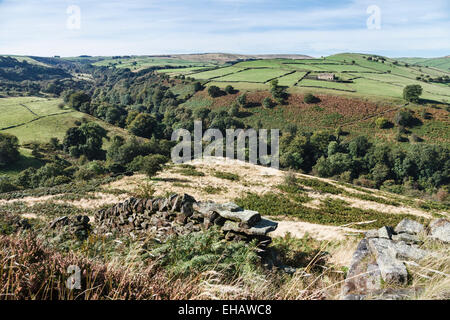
column 78, row 99
column 359, row 146
column 9, row 149
column 242, row 100
column 412, row 93
column 152, row 164
column 278, row 92
column 85, row 140
column 214, row 91
column 144, row 125
column 197, row 86
column 234, row 110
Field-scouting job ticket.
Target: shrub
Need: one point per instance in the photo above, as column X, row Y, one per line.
column 268, row 103
column 382, row 123
column 415, row 138
column 6, row 185
column 195, row 253
column 226, row 175
column 242, row 100
column 229, row 89
column 152, row 164
column 310, row 98
column 403, row 118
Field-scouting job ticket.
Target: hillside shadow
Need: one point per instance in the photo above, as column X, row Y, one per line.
column 244, row 114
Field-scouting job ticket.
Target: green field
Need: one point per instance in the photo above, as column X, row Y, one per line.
column 216, row 73
column 21, row 110
column 140, row 62
column 42, row 120
column 438, row 63
column 254, row 75
column 291, row 79
column 326, row 84
column 369, row 78
column 184, row 71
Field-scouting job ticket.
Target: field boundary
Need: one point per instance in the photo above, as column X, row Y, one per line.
column 36, row 119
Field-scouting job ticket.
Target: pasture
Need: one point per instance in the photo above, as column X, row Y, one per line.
column 142, row 62
column 39, row 119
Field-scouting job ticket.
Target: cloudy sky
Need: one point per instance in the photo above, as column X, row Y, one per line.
column 314, row 27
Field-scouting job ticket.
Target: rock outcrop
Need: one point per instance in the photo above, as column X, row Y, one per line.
column 378, row 265
column 182, row 214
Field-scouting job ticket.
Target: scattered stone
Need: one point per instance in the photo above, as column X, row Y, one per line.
column 360, row 279
column 409, row 226
column 373, row 233
column 392, row 270
column 406, row 237
column 383, row 254
column 440, row 230
column 385, row 232
column 403, row 251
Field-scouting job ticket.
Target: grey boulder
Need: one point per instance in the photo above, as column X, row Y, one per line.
column 409, row 226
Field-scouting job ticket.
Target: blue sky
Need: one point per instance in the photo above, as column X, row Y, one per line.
column 407, row 27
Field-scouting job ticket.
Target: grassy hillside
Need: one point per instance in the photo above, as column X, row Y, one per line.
column 39, row 119
column 141, row 62
column 436, row 63
column 376, row 79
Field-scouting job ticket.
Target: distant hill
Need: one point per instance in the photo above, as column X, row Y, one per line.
column 228, row 57
column 438, row 63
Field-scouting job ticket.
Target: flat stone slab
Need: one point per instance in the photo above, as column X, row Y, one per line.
column 409, row 226
column 262, row 228
column 246, row 218
column 403, row 251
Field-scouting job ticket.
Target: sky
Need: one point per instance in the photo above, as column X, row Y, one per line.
column 394, row 28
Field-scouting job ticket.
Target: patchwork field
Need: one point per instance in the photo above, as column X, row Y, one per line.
column 372, row 79
column 141, row 62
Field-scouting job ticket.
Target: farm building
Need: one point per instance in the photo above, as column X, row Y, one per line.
column 326, row 76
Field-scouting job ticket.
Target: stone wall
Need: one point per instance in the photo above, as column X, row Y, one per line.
column 182, row 214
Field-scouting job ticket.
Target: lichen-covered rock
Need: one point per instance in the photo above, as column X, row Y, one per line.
column 392, row 270
column 409, row 226
column 372, row 233
column 406, row 237
column 363, row 275
column 440, row 230
column 403, row 251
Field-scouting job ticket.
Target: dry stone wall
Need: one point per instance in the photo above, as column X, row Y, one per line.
column 181, row 214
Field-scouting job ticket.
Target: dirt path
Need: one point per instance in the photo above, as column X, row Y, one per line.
column 299, row 229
